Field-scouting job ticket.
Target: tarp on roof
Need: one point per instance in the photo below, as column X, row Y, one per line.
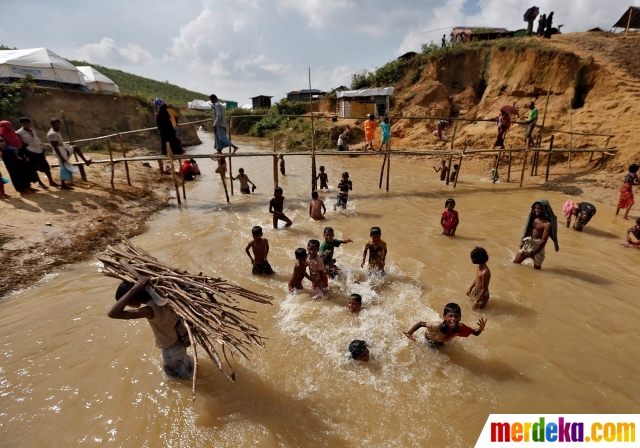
column 97, row 81
column 46, row 67
column 624, row 20
column 381, row 91
column 200, row 105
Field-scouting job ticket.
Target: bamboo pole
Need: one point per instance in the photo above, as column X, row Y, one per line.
column 184, row 192
column 455, row 182
column 124, row 154
column 314, row 183
column 384, row 162
column 626, row 32
column 83, row 175
column 524, row 164
column 495, row 177
column 388, row 162
column 275, row 165
column 230, row 170
column 113, row 166
column 449, row 170
column 224, row 184
column 546, row 107
column 173, row 172
column 546, row 174
column 509, row 168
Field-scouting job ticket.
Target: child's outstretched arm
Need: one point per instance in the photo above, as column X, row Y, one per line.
column 347, row 241
column 249, row 253
column 413, row 329
column 364, row 255
column 481, row 323
column 117, row 311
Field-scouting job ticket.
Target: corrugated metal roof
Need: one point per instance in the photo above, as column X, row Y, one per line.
column 624, row 20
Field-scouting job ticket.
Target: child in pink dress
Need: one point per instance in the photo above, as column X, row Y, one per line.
column 449, row 219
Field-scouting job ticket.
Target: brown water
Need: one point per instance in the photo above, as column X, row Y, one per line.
column 557, row 341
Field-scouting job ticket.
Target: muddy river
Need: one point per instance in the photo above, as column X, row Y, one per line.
column 557, row 340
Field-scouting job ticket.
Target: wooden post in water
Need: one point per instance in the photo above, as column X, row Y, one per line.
column 83, row 175
column 314, row 183
column 173, row 172
column 124, row 154
column 384, row 162
column 509, row 168
column 546, row 174
column 449, row 170
column 524, row 164
column 230, row 171
column 184, row 192
column 113, row 166
column 455, row 182
column 495, row 177
column 275, row 165
column 388, row 162
column 224, row 184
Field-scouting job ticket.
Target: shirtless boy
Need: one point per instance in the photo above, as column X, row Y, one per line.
column 540, row 226
column 443, row 170
column 319, row 279
column 323, row 179
column 260, row 248
column 441, row 331
column 299, row 270
column 479, row 289
column 316, row 207
column 276, row 207
column 377, row 251
column 244, row 181
column 343, row 194
column 326, row 251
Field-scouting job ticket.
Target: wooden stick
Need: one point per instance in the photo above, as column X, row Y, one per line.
column 524, row 164
column 509, row 168
column 275, row 165
column 570, row 135
column 124, row 154
column 384, row 162
column 173, row 172
column 546, row 175
column 495, row 176
column 455, row 182
column 224, row 183
column 388, row 162
column 113, row 166
column 626, row 32
column 314, row 182
column 230, row 174
column 449, row 170
column 184, row 193
column 83, row 175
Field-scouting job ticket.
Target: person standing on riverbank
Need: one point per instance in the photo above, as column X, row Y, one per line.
column 542, row 224
column 220, row 126
column 35, row 152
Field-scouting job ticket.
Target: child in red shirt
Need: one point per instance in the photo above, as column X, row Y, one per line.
column 449, row 219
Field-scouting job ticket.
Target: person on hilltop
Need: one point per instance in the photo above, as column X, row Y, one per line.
column 626, row 191
column 541, row 225
column 542, row 23
column 444, row 41
column 17, row 165
column 440, row 129
column 220, row 126
column 548, row 25
column 35, row 152
column 531, row 123
column 63, row 152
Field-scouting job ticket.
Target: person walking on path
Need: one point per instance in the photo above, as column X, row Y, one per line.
column 220, row 126
column 35, row 152
column 531, row 123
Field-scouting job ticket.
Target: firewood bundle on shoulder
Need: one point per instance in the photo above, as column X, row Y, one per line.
column 208, row 306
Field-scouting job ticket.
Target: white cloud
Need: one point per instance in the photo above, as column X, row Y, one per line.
column 99, row 52
column 319, row 12
column 107, row 50
column 135, row 54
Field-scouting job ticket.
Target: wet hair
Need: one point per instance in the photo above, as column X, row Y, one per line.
column 357, row 348
column 314, row 195
column 241, row 170
column 54, row 120
column 301, row 252
column 479, row 255
column 456, row 166
column 212, row 97
column 327, row 229
column 24, row 120
column 633, row 168
column 256, row 229
column 125, row 287
column 449, row 201
column 375, row 231
column 356, row 297
column 194, row 161
column 638, row 221
column 321, row 167
column 345, row 173
column 452, row 308
column 278, row 189
column 315, row 243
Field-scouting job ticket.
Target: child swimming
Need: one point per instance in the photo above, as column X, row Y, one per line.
column 317, row 208
column 358, row 350
column 343, row 194
column 440, row 331
column 355, row 303
column 299, row 270
column 635, row 231
column 319, row 279
column 276, row 207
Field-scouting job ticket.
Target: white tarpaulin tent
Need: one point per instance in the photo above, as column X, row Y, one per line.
column 200, row 105
column 360, row 103
column 382, row 91
column 97, row 81
column 46, row 67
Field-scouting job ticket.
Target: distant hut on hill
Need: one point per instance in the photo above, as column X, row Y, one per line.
column 630, row 20
column 261, row 102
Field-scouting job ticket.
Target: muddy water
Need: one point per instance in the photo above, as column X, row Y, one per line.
column 557, row 341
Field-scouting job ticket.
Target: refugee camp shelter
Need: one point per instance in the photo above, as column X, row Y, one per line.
column 46, row 68
column 261, row 102
column 359, row 103
column 630, row 20
column 473, row 33
column 96, row 81
column 305, row 95
column 200, row 105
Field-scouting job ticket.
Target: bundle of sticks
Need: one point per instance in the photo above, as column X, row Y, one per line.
column 208, row 306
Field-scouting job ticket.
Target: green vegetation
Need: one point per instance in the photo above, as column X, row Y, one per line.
column 384, row 76
column 11, row 94
column 261, row 122
column 147, row 89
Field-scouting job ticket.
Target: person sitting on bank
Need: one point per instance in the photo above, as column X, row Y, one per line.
column 163, row 321
column 583, row 211
column 440, row 331
column 35, row 151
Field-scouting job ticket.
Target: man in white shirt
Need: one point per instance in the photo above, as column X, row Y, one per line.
column 63, row 152
column 35, row 151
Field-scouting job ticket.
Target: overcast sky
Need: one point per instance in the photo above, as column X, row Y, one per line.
column 243, row 48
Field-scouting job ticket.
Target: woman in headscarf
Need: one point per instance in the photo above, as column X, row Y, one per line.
column 167, row 133
column 542, row 23
column 583, row 211
column 20, row 171
column 503, row 127
column 626, row 192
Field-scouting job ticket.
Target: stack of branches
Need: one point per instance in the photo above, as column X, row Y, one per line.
column 208, row 306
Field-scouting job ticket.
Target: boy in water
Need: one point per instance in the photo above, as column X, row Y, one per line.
column 479, row 289
column 276, row 206
column 326, row 251
column 441, row 331
column 299, row 270
column 244, row 182
column 542, row 224
column 316, row 207
column 355, row 303
column 449, row 219
column 319, row 280
column 323, row 179
column 443, row 170
column 358, row 350
column 343, row 194
column 377, row 251
column 635, row 231
column 454, row 173
column 195, row 167
column 260, row 248
column 163, row 322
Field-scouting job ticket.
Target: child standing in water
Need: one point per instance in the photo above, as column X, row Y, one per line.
column 282, row 170
column 377, row 251
column 449, row 219
column 635, row 231
column 319, row 280
column 454, row 173
column 326, row 251
column 260, row 247
column 244, row 182
column 323, row 179
column 276, row 207
column 316, row 207
column 299, row 270
column 343, row 194
column 440, row 331
column 443, row 170
column 479, row 289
